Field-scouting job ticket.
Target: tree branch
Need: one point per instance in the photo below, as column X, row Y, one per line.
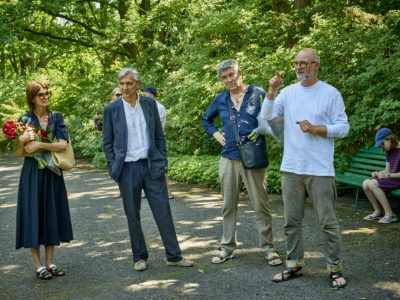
column 99, row 1
column 59, row 37
column 94, row 15
column 74, row 41
column 87, row 27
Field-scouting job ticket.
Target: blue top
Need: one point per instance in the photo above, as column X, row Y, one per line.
column 43, row 216
column 246, row 118
column 59, row 127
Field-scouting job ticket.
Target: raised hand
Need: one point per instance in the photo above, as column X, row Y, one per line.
column 276, row 82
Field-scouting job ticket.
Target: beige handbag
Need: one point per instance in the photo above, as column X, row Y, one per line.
column 64, row 160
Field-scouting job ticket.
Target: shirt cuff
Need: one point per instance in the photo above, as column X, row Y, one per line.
column 331, row 131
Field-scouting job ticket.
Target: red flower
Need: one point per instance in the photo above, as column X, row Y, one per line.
column 10, row 130
column 44, row 135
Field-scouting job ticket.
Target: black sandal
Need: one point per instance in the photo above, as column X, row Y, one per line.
column 55, row 271
column 43, row 274
column 335, row 275
column 290, row 273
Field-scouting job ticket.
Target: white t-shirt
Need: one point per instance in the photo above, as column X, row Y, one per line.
column 162, row 112
column 320, row 104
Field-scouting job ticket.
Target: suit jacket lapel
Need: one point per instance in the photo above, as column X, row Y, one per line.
column 121, row 119
column 147, row 115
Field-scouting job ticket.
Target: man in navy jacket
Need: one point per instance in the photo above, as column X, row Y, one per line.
column 136, row 154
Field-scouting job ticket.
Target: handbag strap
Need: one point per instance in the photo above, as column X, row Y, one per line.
column 53, row 124
column 233, row 119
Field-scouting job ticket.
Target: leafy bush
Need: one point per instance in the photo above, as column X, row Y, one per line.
column 203, row 169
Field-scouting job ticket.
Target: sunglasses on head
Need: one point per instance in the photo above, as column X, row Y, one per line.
column 42, row 95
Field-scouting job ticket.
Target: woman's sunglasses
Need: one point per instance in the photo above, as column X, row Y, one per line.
column 42, row 95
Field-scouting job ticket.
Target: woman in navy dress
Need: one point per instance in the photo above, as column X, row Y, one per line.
column 43, row 216
column 384, row 181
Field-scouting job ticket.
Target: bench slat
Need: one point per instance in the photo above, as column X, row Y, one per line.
column 395, row 193
column 351, row 179
column 373, row 162
column 371, row 156
column 361, row 166
column 366, row 173
column 371, row 150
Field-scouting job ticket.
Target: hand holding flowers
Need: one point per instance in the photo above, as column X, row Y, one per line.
column 25, row 135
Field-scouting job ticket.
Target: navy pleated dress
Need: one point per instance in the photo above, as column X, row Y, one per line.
column 43, row 216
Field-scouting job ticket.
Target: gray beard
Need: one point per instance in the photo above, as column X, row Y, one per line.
column 304, row 77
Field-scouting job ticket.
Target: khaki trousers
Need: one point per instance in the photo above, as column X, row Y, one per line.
column 322, row 192
column 231, row 173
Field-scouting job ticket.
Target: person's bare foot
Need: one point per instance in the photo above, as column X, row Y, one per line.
column 337, row 280
column 222, row 257
column 273, row 258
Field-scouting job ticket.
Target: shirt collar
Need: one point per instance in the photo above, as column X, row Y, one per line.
column 127, row 104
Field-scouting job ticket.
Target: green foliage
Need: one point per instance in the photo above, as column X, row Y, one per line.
column 203, row 169
column 274, row 177
column 194, row 169
column 77, row 47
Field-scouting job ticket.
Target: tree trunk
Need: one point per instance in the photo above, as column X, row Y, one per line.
column 144, row 8
column 2, row 64
column 14, row 63
column 300, row 4
column 42, row 56
column 281, row 6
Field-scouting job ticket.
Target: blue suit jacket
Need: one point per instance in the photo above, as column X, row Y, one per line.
column 115, row 137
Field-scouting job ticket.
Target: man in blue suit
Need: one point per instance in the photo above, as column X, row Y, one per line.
column 136, row 154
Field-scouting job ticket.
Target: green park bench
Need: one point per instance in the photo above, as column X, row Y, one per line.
column 360, row 168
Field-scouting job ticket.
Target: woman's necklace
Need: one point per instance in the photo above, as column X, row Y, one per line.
column 237, row 100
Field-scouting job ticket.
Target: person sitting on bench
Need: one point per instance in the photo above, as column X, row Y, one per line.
column 386, row 180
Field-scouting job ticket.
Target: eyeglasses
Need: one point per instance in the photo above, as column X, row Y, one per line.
column 302, row 64
column 42, row 95
column 118, row 95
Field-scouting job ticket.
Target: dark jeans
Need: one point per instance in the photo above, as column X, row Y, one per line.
column 135, row 177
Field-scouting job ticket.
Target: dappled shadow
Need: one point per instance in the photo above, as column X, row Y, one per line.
column 99, row 260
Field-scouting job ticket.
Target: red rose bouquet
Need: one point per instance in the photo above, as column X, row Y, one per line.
column 9, row 140
column 10, row 133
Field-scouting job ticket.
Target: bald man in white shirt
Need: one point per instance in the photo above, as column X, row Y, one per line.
column 314, row 114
